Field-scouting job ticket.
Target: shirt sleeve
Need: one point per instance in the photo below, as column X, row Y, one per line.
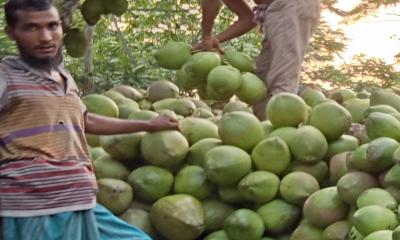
column 72, row 87
column 3, row 92
column 76, row 93
column 83, row 108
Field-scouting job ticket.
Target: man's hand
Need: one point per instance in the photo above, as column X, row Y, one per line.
column 163, row 122
column 208, row 44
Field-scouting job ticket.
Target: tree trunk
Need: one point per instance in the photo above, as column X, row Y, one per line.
column 88, row 85
column 67, row 9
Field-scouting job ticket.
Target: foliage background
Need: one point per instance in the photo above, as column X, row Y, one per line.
column 124, row 54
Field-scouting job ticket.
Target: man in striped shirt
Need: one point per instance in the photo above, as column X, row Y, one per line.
column 47, row 184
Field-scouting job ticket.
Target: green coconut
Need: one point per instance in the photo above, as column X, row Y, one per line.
column 308, row 144
column 216, row 211
column 166, row 148
column 286, row 110
column 337, row 231
column 331, row 119
column 178, row 217
column 373, row 218
column 271, row 154
column 259, row 186
column 279, row 216
column 226, row 165
column 295, row 193
column 377, row 196
column 352, row 184
column 324, row 207
column 240, row 129
column 244, row 224
column 195, row 129
column 173, row 55
column 151, row 182
column 114, row 194
column 192, row 180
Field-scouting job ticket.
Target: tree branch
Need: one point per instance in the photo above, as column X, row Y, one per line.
column 123, row 42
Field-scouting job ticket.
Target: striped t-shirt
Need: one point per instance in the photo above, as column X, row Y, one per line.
column 44, row 161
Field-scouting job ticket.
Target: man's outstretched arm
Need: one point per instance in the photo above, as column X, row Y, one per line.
column 101, row 125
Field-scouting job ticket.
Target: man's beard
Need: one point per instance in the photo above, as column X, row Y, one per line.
column 41, row 63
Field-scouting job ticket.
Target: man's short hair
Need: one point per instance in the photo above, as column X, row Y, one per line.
column 11, row 7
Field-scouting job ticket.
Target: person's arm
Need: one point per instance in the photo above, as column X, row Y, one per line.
column 242, row 25
column 101, row 125
column 210, row 10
